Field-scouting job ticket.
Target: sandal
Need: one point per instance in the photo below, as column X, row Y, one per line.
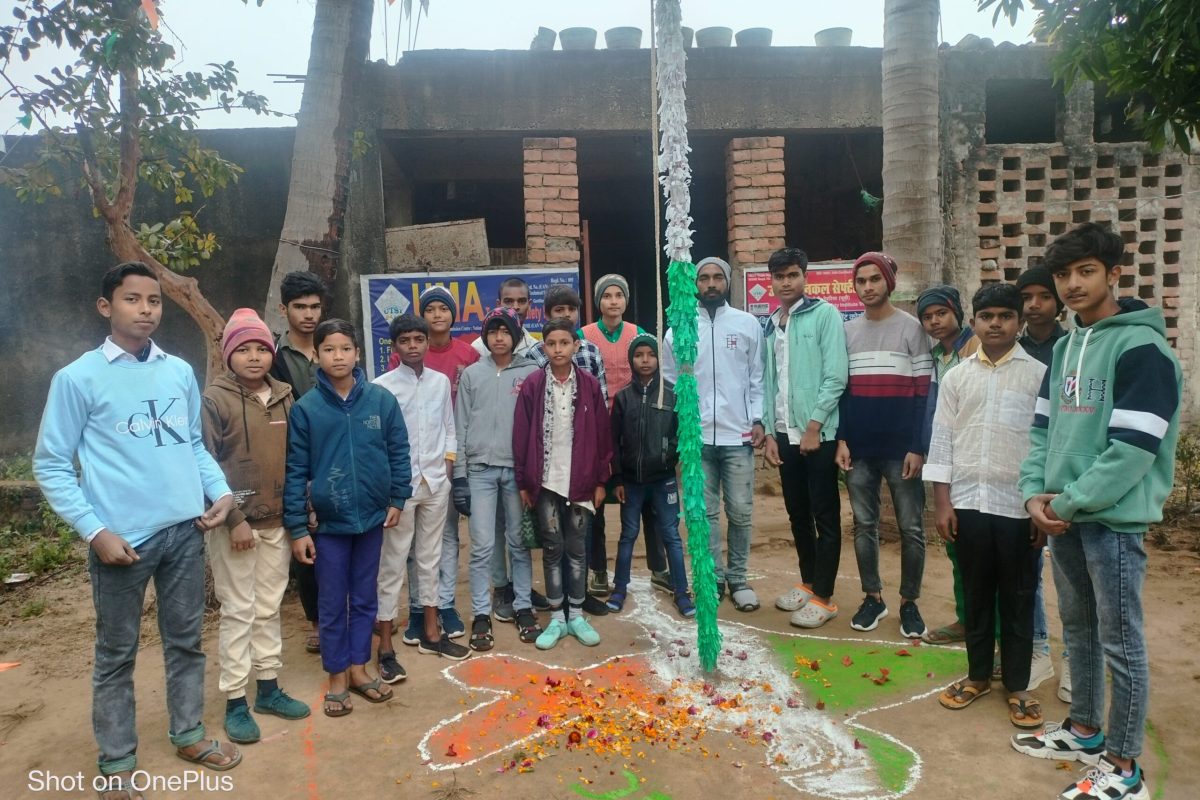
column 481, row 633
column 527, row 626
column 214, row 748
column 364, row 690
column 343, row 708
column 743, row 597
column 312, row 643
column 615, row 602
column 114, row 785
column 961, row 694
column 947, row 634
column 1026, row 714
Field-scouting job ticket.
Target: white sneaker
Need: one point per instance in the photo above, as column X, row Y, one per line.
column 1041, row 669
column 1064, row 682
column 793, row 600
column 813, row 615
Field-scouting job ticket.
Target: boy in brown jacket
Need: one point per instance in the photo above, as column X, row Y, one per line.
column 245, row 416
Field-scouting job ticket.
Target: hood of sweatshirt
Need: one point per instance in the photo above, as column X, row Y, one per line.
column 1107, row 335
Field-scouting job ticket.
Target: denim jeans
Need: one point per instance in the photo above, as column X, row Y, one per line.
column 663, row 497
column 1041, row 629
column 348, row 572
column 494, row 492
column 729, row 470
column 1099, row 574
column 563, row 528
column 448, row 569
column 597, row 546
column 500, row 575
column 814, row 509
column 863, row 483
column 174, row 558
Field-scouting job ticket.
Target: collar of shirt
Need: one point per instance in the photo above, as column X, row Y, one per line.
column 940, row 352
column 561, row 385
column 1058, row 332
column 612, row 335
column 1015, row 352
column 114, row 352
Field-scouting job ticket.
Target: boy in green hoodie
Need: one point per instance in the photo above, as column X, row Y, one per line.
column 1098, row 472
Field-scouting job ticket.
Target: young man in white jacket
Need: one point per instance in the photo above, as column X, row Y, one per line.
column 729, row 345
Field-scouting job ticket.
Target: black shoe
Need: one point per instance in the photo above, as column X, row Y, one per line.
column 540, row 603
column 593, row 606
column 481, row 633
column 502, row 603
column 527, row 626
column 720, row 591
column 443, row 647
column 662, row 581
column 869, row 614
column 390, row 670
column 911, row 624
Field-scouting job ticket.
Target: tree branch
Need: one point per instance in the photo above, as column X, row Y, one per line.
column 131, row 112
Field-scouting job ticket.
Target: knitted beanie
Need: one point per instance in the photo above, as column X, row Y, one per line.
column 1039, row 276
column 887, row 265
column 611, row 279
column 720, row 262
column 441, row 294
column 245, row 326
column 643, row 339
column 946, row 296
column 502, row 317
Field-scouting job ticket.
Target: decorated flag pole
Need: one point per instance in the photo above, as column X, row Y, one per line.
column 676, row 176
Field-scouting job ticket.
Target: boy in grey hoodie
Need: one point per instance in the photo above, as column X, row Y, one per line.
column 483, row 472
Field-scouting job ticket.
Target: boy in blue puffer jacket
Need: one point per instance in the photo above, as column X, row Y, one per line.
column 347, row 478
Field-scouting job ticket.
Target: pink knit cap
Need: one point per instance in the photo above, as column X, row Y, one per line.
column 887, row 266
column 245, row 326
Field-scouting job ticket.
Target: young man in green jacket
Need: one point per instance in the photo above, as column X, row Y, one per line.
column 805, row 373
column 1099, row 469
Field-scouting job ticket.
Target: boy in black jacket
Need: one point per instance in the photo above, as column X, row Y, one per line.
column 645, row 441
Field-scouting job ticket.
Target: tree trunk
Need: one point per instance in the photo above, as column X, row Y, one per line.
column 182, row 290
column 312, row 225
column 912, row 214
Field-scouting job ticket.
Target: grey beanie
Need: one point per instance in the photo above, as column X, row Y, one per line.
column 611, row 279
column 720, row 262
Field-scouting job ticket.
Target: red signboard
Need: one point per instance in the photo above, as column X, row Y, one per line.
column 832, row 282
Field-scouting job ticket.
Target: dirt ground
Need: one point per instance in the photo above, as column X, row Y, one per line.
column 785, row 716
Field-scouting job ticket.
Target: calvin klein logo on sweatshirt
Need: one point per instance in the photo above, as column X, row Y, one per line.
column 156, row 422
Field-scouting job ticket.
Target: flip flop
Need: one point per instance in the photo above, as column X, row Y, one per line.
column 363, row 690
column 312, row 643
column 114, row 784
column 340, row 698
column 961, row 694
column 1025, row 714
column 214, row 748
column 944, row 635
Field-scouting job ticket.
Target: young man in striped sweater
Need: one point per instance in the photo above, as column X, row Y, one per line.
column 881, row 437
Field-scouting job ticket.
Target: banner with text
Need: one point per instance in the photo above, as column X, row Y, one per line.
column 385, row 297
column 831, row 281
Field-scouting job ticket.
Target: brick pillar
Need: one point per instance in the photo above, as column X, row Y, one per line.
column 551, row 201
column 755, row 190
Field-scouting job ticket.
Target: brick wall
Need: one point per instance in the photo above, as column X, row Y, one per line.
column 754, row 200
column 551, row 201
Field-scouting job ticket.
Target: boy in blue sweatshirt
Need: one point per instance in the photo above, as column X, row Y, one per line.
column 131, row 414
column 1098, row 472
column 347, row 478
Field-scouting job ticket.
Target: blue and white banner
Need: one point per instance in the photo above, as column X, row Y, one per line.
column 385, row 297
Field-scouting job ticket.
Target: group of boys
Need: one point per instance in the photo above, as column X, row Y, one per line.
column 1026, row 435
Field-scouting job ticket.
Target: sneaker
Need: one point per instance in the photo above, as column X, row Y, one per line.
column 813, row 614
column 743, row 597
column 1059, row 743
column 868, row 614
column 281, row 705
column 911, row 624
column 557, row 629
column 582, row 630
column 687, row 608
column 451, row 622
column 240, row 726
column 1041, row 669
column 662, row 581
column 390, row 670
column 1064, row 682
column 416, row 627
column 502, row 603
column 793, row 600
column 1105, row 782
column 598, row 583
column 481, row 633
column 594, row 606
column 540, row 603
column 445, row 648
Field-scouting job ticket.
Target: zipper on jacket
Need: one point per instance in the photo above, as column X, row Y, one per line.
column 712, row 342
column 353, row 472
column 641, row 437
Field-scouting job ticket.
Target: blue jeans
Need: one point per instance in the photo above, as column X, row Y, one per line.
column 863, row 483
column 174, row 558
column 494, row 492
column 564, row 535
column 663, row 496
column 729, row 470
column 1099, row 574
column 448, row 569
column 347, row 571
